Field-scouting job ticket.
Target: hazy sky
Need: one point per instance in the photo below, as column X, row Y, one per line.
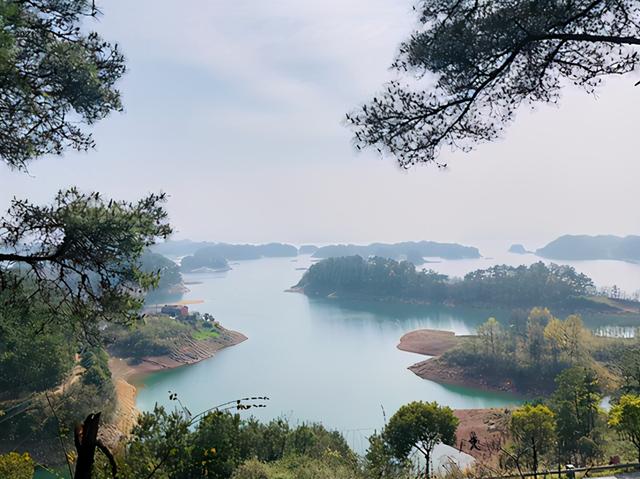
column 235, row 109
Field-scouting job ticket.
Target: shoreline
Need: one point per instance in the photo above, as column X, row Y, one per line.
column 127, row 377
column 486, row 426
column 601, row 309
column 435, row 343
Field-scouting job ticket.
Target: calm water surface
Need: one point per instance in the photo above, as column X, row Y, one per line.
column 323, row 360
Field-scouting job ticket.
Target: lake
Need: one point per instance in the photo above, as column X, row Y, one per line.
column 324, row 360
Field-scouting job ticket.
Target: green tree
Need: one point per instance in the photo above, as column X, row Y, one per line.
column 576, row 337
column 169, row 276
column 569, row 337
column 31, row 362
column 629, row 366
column 55, row 78
column 420, row 425
column 624, row 417
column 483, row 60
column 538, row 320
column 576, row 406
column 76, row 262
column 379, row 461
column 554, row 333
column 159, row 446
column 79, row 257
column 532, row 429
column 490, row 334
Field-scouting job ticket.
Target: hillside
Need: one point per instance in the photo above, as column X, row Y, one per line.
column 584, row 247
column 170, row 281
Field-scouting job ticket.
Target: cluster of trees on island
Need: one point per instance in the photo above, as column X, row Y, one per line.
column 528, row 350
column 382, row 278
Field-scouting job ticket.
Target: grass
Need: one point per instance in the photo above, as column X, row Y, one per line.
column 621, row 305
column 204, row 334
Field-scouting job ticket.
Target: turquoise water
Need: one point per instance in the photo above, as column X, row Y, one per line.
column 325, row 360
column 317, row 360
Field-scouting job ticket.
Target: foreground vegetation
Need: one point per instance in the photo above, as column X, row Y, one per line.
column 568, row 427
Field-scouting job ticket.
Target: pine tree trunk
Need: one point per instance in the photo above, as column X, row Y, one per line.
column 85, row 437
column 427, row 474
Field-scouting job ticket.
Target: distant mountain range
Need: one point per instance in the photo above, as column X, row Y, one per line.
column 203, row 253
column 231, row 252
column 584, row 247
column 412, row 251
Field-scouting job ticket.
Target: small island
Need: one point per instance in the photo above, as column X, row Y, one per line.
column 228, row 251
column 204, row 261
column 518, row 249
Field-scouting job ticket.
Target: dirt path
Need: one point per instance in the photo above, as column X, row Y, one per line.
column 488, row 427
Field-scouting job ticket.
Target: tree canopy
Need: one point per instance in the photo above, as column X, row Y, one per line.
column 421, row 426
column 55, row 78
column 625, row 418
column 532, row 428
column 522, row 286
column 79, row 256
column 481, row 60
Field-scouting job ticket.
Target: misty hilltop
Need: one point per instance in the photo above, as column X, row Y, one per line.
column 585, row 247
column 412, row 251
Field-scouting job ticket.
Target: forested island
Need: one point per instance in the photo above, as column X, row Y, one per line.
column 414, row 251
column 584, row 247
column 202, row 261
column 216, row 256
column 518, row 249
column 230, row 252
column 378, row 278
